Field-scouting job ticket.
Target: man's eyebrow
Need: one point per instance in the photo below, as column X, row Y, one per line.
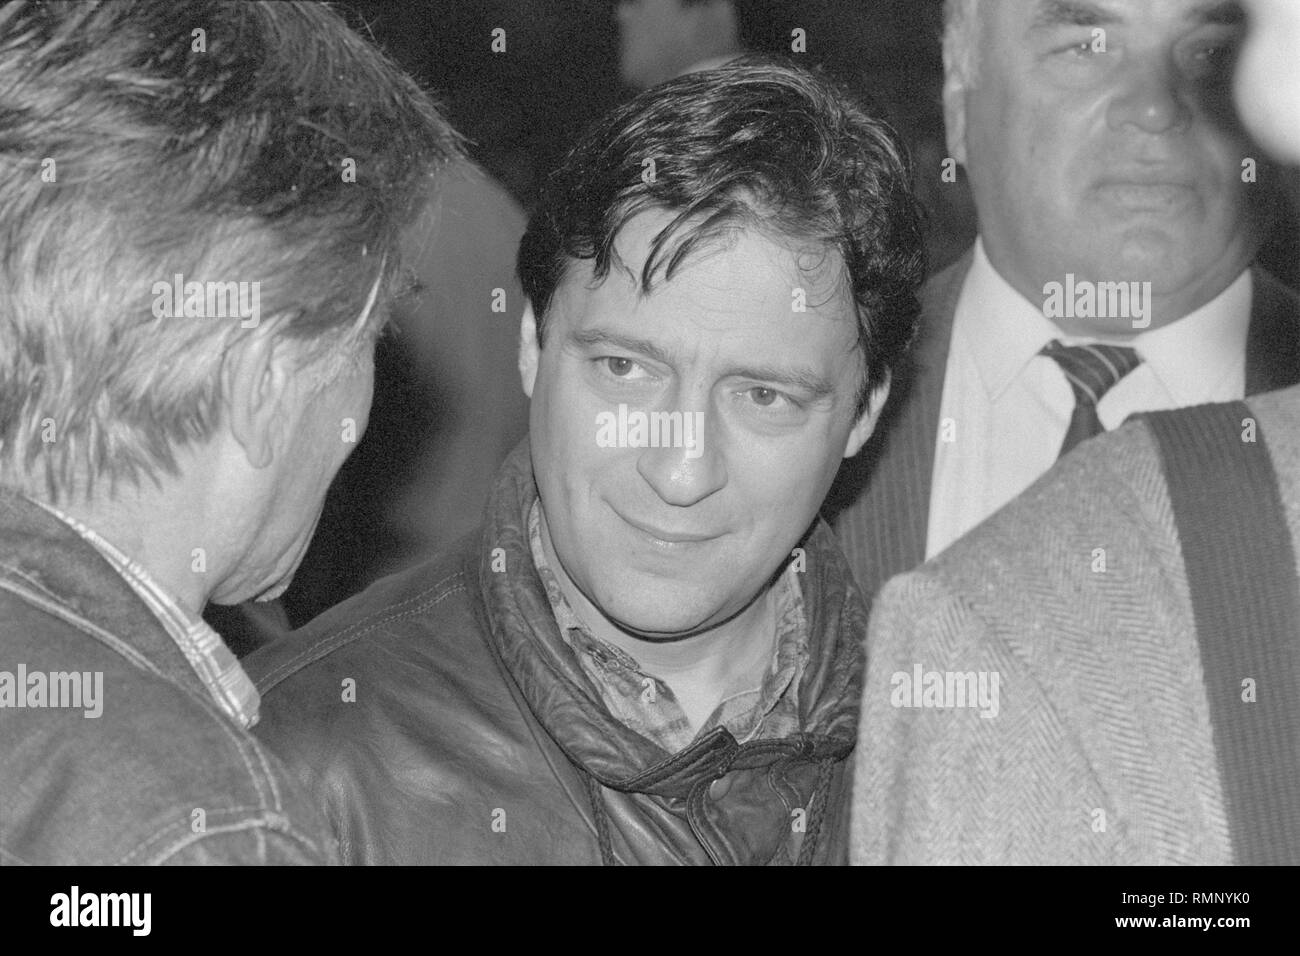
column 594, row 338
column 1071, row 13
column 1224, row 12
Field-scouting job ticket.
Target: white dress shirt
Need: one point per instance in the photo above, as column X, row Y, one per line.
column 1005, row 408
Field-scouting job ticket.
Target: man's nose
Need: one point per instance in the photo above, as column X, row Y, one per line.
column 1153, row 97
column 688, row 470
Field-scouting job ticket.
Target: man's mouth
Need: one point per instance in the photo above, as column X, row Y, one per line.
column 664, row 536
column 1148, row 189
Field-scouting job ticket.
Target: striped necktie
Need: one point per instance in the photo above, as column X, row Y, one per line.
column 1091, row 371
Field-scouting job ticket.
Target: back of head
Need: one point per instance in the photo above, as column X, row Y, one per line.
column 149, row 141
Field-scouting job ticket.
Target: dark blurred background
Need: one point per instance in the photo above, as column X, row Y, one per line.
column 448, row 404
column 524, row 107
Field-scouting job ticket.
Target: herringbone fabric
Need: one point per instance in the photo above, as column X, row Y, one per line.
column 1092, row 371
column 1241, row 569
column 881, row 501
column 1102, row 749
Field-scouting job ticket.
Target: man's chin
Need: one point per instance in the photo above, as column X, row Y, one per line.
column 259, row 591
column 668, row 636
column 273, row 592
column 281, row 582
column 655, row 627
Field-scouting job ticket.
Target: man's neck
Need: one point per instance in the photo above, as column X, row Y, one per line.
column 703, row 669
column 155, row 536
column 1161, row 309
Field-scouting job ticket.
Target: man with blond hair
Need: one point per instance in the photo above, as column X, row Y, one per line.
column 199, row 212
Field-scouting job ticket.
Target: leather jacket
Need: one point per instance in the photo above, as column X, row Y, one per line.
column 431, row 728
column 161, row 774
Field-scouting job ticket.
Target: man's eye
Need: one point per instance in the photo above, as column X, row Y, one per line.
column 767, row 397
column 1084, row 48
column 619, row 367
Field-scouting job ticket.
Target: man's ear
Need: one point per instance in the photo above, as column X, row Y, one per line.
column 529, row 351
column 866, row 423
column 956, row 87
column 256, row 380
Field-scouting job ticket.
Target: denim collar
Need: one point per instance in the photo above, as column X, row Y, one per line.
column 49, row 565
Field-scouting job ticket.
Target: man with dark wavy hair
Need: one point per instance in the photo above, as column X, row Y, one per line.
column 200, row 206
column 650, row 652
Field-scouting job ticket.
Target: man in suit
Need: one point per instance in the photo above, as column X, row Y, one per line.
column 1102, row 148
column 1107, row 671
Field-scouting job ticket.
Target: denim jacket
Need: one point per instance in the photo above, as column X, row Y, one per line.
column 111, row 748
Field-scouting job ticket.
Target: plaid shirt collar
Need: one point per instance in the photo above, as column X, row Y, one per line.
column 647, row 705
column 213, row 662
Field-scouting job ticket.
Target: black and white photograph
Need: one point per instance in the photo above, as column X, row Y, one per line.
column 651, row 432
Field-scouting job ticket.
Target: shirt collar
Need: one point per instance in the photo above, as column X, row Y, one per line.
column 213, row 662
column 1193, row 355
column 771, row 710
column 1003, row 332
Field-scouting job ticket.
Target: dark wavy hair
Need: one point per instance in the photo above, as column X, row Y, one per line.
column 758, row 144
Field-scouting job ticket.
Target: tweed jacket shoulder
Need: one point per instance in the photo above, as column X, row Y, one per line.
column 1076, row 596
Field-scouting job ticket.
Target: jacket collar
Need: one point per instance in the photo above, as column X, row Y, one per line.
column 46, row 563
column 521, row 624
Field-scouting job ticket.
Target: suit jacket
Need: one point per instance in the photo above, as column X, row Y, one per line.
column 880, row 504
column 1101, row 746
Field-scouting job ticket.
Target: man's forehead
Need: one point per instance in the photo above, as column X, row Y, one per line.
column 710, row 283
column 744, row 320
column 724, row 257
column 730, row 296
